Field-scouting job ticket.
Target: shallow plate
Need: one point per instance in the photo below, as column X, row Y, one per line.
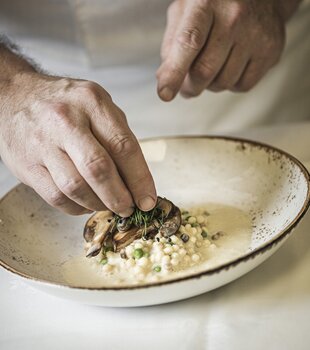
column 271, row 186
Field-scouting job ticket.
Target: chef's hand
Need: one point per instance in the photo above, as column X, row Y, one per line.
column 220, row 44
column 68, row 140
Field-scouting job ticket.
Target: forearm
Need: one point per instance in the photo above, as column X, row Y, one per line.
column 17, row 73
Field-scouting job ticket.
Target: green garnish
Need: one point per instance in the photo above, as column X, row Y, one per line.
column 138, row 253
column 185, row 212
column 103, row 261
column 195, row 224
column 204, row 234
column 108, row 249
column 157, row 269
column 146, row 254
column 141, row 218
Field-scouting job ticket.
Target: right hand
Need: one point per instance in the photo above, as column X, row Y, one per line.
column 67, row 140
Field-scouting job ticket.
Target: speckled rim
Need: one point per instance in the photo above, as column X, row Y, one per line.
column 251, row 255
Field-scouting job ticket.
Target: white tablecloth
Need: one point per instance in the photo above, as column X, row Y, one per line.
column 268, row 308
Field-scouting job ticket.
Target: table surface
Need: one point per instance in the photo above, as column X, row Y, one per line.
column 269, row 308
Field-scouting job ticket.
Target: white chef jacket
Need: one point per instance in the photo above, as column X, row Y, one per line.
column 117, row 43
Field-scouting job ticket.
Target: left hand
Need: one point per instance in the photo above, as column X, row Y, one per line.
column 220, row 45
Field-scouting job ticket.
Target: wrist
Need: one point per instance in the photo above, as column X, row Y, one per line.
column 12, row 64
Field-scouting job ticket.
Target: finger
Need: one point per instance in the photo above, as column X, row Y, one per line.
column 99, row 171
column 123, row 147
column 209, row 62
column 232, row 70
column 174, row 15
column 70, row 182
column 252, row 74
column 41, row 181
column 190, row 37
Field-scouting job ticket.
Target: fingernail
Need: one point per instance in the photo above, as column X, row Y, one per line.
column 146, row 203
column 166, row 94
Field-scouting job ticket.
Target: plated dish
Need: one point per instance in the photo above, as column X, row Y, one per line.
column 161, row 244
column 254, row 195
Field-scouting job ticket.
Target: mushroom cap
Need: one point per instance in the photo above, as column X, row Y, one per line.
column 165, row 205
column 96, row 224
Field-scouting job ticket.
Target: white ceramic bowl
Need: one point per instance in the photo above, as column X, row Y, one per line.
column 268, row 184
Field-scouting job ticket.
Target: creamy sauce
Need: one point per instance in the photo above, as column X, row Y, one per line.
column 235, row 241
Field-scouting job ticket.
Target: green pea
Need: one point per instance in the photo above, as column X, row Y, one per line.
column 103, row 261
column 157, row 269
column 138, row 253
column 204, row 234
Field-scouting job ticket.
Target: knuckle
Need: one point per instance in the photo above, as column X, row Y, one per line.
column 98, row 167
column 91, row 91
column 119, row 204
column 121, row 114
column 60, row 109
column 89, row 85
column 203, row 70
column 66, row 83
column 61, row 115
column 237, row 10
column 58, row 199
column 142, row 181
column 191, row 38
column 72, row 187
column 123, row 145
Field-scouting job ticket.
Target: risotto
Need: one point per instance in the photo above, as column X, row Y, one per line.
column 208, row 236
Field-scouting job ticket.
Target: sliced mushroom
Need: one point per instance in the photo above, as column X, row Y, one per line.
column 123, row 239
column 172, row 224
column 95, row 224
column 102, row 232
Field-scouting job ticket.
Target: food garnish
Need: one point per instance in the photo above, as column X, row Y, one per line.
column 108, row 231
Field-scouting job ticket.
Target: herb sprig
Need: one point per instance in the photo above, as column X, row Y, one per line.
column 143, row 219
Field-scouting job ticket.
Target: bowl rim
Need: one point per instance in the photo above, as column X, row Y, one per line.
column 226, row 266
